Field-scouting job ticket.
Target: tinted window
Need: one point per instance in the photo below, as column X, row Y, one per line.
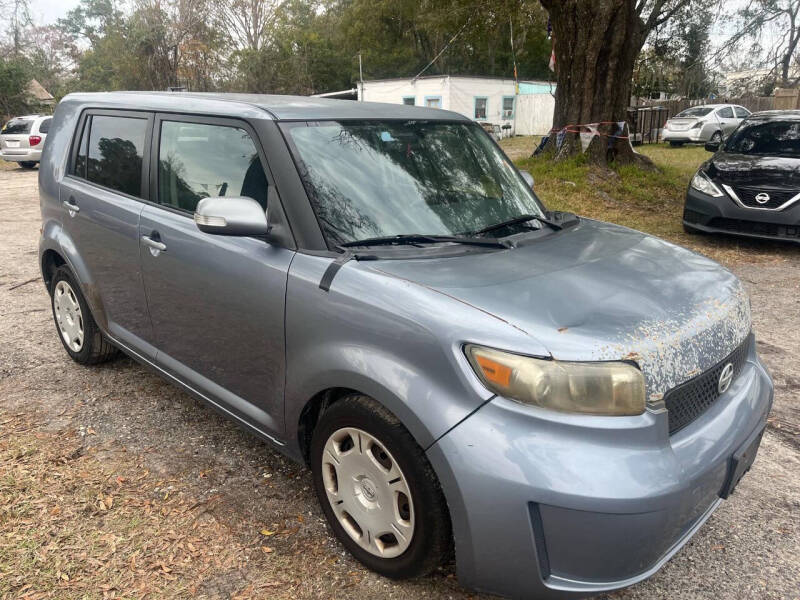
column 18, row 126
column 83, row 144
column 741, row 113
column 408, row 100
column 116, row 147
column 771, row 139
column 44, row 126
column 196, row 161
column 699, row 111
column 725, row 113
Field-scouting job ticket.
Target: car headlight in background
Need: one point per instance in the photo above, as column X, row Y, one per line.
column 702, row 183
column 597, row 388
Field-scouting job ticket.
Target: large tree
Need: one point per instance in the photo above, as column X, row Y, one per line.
column 596, row 44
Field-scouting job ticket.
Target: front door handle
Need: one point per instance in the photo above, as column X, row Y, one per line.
column 155, row 246
column 72, row 208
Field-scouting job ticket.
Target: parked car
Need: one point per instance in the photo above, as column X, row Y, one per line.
column 699, row 124
column 22, row 139
column 751, row 185
column 376, row 291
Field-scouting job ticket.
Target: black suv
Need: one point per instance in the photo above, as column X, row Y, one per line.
column 751, row 186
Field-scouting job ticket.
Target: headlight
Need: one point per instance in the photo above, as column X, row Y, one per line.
column 597, row 388
column 697, row 125
column 702, row 183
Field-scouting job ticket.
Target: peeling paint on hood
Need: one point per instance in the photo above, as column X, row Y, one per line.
column 602, row 292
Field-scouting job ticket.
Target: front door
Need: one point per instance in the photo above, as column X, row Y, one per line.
column 216, row 302
column 101, row 197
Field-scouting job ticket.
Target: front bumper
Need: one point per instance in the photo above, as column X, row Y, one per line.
column 550, row 505
column 21, row 155
column 723, row 215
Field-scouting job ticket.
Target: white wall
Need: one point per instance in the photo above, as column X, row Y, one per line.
column 534, row 114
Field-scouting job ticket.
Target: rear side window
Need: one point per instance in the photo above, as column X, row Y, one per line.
column 741, row 113
column 80, row 158
column 197, row 160
column 725, row 113
column 114, row 153
column 44, row 126
column 18, row 126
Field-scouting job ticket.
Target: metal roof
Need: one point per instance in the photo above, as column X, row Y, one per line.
column 283, row 108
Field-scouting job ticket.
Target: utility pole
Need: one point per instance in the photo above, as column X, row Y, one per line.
column 360, row 77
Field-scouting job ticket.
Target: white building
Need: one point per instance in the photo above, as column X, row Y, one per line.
column 484, row 99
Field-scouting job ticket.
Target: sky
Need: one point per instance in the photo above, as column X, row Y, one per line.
column 45, row 12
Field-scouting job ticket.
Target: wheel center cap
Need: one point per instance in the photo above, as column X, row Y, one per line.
column 368, row 489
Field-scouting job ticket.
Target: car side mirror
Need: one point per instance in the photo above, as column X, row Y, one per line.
column 528, row 178
column 712, row 146
column 239, row 216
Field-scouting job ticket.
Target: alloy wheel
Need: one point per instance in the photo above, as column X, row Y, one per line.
column 368, row 492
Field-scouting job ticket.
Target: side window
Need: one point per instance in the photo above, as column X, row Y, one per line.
column 508, row 107
column 725, row 113
column 408, row 100
column 79, row 168
column 741, row 113
column 116, row 147
column 196, row 161
column 433, row 101
column 480, row 107
column 44, row 126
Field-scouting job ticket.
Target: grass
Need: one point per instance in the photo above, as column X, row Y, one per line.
column 650, row 201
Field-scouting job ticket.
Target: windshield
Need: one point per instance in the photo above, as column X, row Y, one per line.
column 770, row 139
column 699, row 111
column 369, row 179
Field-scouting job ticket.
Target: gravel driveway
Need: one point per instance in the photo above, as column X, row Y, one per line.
column 262, row 506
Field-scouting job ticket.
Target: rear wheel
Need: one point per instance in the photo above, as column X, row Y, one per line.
column 716, row 138
column 76, row 328
column 27, row 164
column 378, row 490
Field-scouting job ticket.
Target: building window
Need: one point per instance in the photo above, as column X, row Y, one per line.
column 408, row 100
column 433, row 101
column 508, row 107
column 480, row 107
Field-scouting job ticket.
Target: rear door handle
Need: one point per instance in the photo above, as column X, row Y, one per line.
column 155, row 246
column 71, row 207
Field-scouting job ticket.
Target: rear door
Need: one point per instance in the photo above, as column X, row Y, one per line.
column 727, row 120
column 102, row 198
column 216, row 302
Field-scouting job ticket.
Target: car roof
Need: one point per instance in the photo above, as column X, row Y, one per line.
column 775, row 115
column 281, row 108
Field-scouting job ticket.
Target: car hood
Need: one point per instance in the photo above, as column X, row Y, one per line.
column 762, row 171
column 601, row 292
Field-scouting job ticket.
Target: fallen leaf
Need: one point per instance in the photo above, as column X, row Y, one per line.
column 267, row 532
column 266, row 549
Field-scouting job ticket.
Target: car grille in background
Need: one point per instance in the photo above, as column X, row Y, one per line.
column 747, row 196
column 778, row 230
column 691, row 399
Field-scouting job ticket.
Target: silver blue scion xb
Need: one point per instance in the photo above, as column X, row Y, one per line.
column 376, row 291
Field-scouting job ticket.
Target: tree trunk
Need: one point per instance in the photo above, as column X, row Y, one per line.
column 596, row 45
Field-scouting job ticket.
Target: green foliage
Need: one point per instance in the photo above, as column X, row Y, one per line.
column 14, row 77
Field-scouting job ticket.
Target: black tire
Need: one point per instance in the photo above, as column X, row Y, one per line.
column 27, row 164
column 432, row 538
column 716, row 138
column 95, row 349
column 676, row 144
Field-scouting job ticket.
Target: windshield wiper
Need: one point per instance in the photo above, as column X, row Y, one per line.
column 416, row 238
column 518, row 221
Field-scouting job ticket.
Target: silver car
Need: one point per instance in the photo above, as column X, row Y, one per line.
column 22, row 139
column 377, row 292
column 700, row 124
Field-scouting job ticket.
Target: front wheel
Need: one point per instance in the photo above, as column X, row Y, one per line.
column 378, row 491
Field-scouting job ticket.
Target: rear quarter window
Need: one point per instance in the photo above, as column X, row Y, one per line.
column 18, row 126
column 44, row 126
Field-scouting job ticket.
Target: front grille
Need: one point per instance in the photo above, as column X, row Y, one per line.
column 777, row 230
column 747, row 196
column 691, row 399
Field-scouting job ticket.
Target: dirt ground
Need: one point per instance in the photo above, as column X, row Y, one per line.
column 113, row 483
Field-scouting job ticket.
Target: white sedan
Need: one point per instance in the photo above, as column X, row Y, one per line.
column 700, row 124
